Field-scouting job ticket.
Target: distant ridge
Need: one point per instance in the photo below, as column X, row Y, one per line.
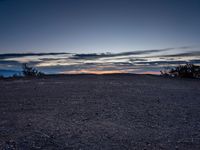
column 8, row 73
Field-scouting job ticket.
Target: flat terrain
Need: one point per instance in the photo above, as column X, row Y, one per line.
column 90, row 112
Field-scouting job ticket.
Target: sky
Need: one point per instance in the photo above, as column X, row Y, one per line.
column 85, row 26
column 111, row 31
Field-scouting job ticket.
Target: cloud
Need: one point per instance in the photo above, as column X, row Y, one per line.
column 129, row 62
column 16, row 55
column 193, row 53
column 102, row 55
column 157, row 63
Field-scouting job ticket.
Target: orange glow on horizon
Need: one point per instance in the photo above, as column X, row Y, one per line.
column 98, row 72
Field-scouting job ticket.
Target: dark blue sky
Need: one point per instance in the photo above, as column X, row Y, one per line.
column 86, row 26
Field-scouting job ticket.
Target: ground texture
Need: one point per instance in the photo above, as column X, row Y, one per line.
column 89, row 112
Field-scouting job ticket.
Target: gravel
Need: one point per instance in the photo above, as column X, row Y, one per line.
column 100, row 112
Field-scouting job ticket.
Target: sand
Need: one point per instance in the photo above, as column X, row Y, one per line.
column 100, row 112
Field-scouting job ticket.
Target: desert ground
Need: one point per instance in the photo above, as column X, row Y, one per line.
column 100, row 112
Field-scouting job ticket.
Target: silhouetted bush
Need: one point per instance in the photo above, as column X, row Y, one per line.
column 16, row 75
column 165, row 72
column 1, row 77
column 30, row 71
column 184, row 71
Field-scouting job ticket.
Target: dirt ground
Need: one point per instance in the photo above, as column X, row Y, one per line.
column 100, row 112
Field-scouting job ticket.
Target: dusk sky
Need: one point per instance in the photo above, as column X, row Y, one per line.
column 85, row 26
column 127, row 29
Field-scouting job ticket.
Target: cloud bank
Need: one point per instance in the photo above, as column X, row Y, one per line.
column 143, row 61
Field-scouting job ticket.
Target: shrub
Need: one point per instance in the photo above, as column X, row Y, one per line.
column 1, row 77
column 30, row 71
column 16, row 75
column 165, row 72
column 184, row 71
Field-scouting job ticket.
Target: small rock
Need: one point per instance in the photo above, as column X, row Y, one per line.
column 29, row 124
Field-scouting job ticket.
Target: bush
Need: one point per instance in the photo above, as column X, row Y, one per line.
column 184, row 71
column 16, row 75
column 1, row 77
column 30, row 71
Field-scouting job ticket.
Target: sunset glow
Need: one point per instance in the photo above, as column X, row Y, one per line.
column 98, row 36
column 98, row 72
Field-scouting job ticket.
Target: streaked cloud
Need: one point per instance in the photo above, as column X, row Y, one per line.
column 146, row 61
column 15, row 55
